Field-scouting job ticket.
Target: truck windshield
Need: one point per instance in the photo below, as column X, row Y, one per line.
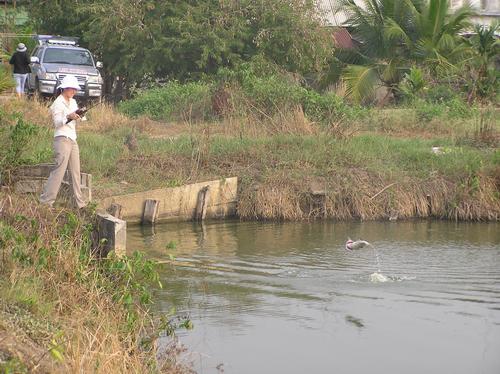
column 68, row 56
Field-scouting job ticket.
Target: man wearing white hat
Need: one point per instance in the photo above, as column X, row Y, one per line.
column 67, row 154
column 20, row 62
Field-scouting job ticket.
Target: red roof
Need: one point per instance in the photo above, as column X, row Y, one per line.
column 342, row 38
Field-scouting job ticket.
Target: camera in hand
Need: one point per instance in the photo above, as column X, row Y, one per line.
column 80, row 111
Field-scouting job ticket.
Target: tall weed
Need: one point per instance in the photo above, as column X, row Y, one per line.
column 20, row 142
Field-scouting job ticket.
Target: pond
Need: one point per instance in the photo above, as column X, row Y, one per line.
column 288, row 298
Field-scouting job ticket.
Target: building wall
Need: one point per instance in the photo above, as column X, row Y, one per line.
column 483, row 6
column 488, row 10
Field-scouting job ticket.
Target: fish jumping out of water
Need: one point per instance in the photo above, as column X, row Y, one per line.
column 358, row 244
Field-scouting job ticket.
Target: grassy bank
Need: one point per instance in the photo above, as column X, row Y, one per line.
column 378, row 166
column 61, row 309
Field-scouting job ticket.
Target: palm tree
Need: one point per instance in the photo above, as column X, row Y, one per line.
column 439, row 41
column 393, row 36
column 484, row 47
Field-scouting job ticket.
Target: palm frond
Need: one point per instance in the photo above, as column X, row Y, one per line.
column 459, row 19
column 446, row 43
column 361, row 81
column 394, row 32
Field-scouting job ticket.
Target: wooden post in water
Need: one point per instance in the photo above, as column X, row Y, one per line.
column 318, row 197
column 202, row 203
column 150, row 213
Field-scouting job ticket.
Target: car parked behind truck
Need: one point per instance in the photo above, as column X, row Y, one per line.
column 54, row 57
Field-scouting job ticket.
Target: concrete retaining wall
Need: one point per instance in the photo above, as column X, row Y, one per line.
column 178, row 203
column 32, row 178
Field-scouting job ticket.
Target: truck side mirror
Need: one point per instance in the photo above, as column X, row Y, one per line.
column 34, row 60
column 98, row 64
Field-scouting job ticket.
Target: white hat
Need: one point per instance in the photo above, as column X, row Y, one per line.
column 21, row 47
column 69, row 81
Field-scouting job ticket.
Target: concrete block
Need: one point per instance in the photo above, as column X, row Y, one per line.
column 32, row 185
column 32, row 179
column 150, row 214
column 112, row 234
column 33, row 171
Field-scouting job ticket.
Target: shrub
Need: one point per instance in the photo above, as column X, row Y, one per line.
column 272, row 90
column 257, row 87
column 174, row 101
column 458, row 108
column 16, row 139
column 273, row 93
column 439, row 94
column 327, row 108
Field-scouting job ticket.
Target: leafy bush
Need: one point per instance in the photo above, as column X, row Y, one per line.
column 258, row 87
column 174, row 101
column 458, row 108
column 327, row 108
column 273, row 90
column 440, row 94
column 272, row 94
column 15, row 140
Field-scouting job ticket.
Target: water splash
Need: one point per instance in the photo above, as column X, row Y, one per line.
column 379, row 278
column 375, row 252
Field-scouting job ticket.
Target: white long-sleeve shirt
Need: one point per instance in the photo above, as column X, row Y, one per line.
column 60, row 108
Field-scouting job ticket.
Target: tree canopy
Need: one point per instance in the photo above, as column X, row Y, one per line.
column 150, row 40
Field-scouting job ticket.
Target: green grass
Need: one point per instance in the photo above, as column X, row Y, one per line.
column 315, row 155
column 167, row 162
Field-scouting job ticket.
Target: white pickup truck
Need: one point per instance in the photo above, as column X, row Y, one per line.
column 54, row 57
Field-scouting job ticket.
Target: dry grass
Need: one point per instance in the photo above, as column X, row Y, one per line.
column 286, row 121
column 34, row 111
column 372, row 199
column 102, row 118
column 90, row 328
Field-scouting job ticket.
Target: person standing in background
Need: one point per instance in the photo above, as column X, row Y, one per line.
column 20, row 62
column 66, row 151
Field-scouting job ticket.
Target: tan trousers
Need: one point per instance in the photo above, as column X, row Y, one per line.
column 67, row 156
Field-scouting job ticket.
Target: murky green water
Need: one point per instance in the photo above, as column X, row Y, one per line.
column 287, row 298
